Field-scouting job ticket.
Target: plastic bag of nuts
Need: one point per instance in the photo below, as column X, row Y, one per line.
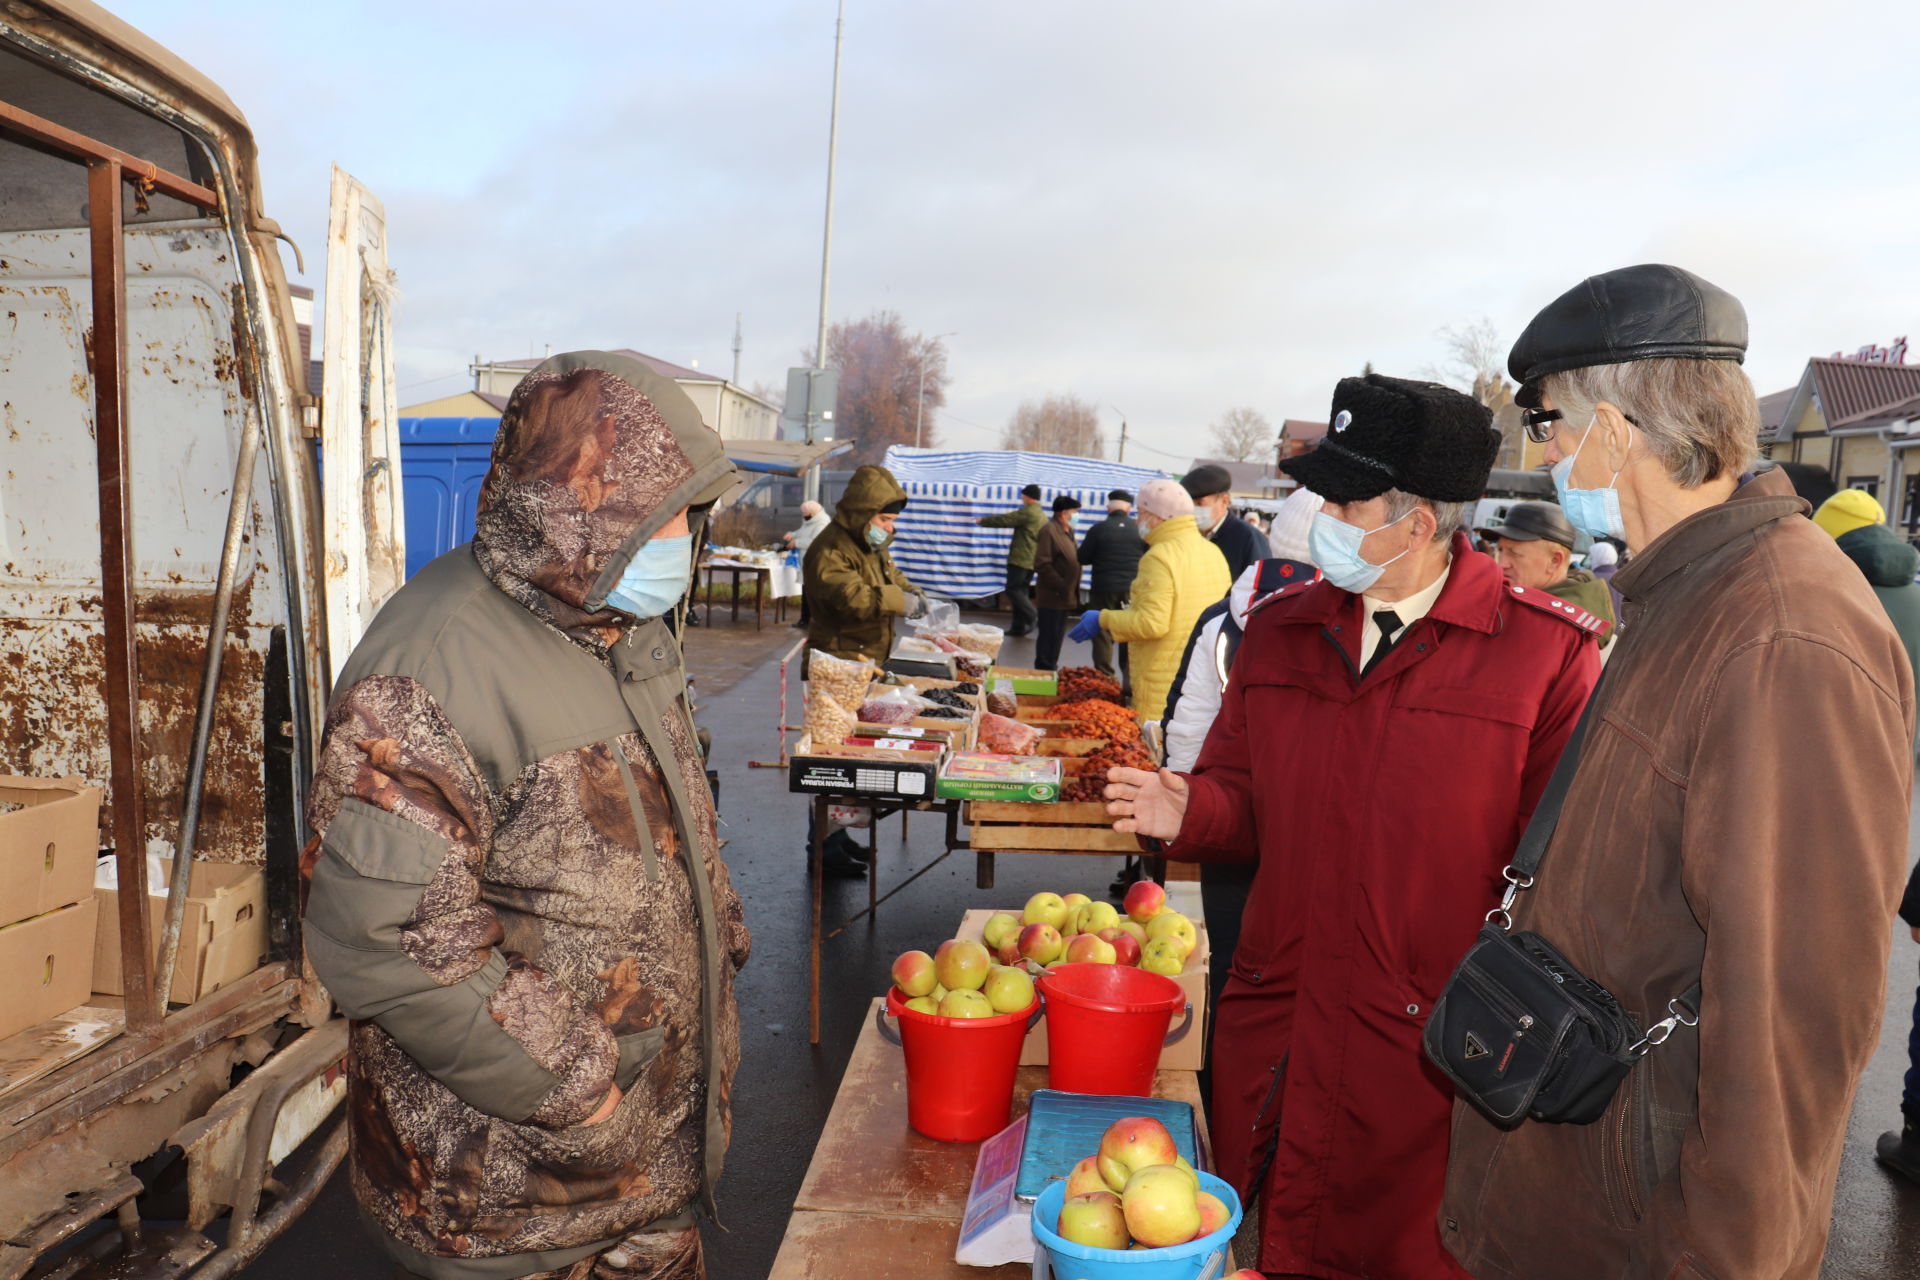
column 828, row 722
column 844, row 680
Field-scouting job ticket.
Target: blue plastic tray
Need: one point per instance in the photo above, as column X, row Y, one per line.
column 1065, row 1128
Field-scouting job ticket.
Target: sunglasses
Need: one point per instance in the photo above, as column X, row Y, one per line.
column 1539, row 423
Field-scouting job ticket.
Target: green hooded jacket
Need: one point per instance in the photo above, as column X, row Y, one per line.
column 1590, row 593
column 854, row 590
column 1890, row 563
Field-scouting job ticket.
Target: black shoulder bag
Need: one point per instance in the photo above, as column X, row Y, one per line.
column 1518, row 1029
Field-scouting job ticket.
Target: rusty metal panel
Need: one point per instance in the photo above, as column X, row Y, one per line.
column 187, row 405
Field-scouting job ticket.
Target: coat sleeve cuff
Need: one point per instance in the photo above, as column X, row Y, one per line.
column 1216, row 828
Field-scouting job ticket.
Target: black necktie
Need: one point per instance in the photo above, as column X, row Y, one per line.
column 1389, row 623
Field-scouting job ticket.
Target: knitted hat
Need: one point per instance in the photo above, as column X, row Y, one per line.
column 1164, row 499
column 1288, row 537
column 1031, row 491
column 1848, row 510
column 1395, row 433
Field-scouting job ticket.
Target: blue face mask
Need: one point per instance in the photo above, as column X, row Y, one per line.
column 1335, row 546
column 655, row 579
column 1594, row 512
column 877, row 536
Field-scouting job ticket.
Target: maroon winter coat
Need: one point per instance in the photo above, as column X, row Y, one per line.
column 1381, row 812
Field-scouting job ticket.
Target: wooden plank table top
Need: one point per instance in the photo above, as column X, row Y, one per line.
column 879, row 1200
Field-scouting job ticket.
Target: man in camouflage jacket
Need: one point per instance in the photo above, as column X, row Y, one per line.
column 515, row 889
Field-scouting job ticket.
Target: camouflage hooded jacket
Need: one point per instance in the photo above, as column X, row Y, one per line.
column 515, row 889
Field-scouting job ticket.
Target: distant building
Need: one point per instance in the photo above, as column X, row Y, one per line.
column 734, row 412
column 1858, row 418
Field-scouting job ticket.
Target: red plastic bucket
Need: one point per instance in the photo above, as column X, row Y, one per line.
column 1106, row 1025
column 959, row 1070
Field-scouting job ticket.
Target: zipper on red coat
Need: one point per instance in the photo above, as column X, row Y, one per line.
column 1342, row 651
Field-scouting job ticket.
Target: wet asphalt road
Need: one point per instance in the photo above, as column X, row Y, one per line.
column 786, row 1086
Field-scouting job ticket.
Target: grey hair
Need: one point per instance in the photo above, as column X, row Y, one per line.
column 1700, row 417
column 1448, row 517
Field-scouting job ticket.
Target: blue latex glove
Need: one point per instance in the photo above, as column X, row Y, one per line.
column 1088, row 627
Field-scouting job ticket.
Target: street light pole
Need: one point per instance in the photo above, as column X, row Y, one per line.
column 826, row 241
column 920, row 401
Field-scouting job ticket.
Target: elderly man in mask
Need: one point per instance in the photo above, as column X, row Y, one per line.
column 515, row 887
column 1732, row 846
column 1386, row 732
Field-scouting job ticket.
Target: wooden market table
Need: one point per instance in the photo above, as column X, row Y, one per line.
column 761, row 575
column 879, row 1200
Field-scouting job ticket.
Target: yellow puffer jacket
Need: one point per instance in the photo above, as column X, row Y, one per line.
column 1181, row 574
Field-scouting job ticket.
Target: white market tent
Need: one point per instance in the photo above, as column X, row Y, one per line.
column 937, row 541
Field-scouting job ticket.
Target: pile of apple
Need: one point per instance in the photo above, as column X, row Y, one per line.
column 1077, row 930
column 960, row 980
column 1137, row 1192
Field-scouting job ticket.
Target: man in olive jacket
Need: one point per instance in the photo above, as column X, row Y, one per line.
column 515, row 890
column 1738, row 820
column 1026, row 521
column 854, row 590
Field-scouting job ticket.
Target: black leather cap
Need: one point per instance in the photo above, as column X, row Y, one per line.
column 1204, row 482
column 1065, row 502
column 1395, row 433
column 1647, row 312
column 1532, row 522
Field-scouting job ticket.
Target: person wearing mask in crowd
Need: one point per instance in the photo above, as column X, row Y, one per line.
column 1689, row 874
column 1056, row 563
column 1198, row 689
column 1112, row 551
column 1533, row 545
column 1026, row 521
column 813, row 520
column 515, row 888
column 854, row 591
column 1211, row 489
column 1386, row 733
column 1179, row 576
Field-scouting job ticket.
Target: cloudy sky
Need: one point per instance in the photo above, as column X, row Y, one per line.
column 1168, row 209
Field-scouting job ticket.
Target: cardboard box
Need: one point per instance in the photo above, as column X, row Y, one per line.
column 861, row 771
column 48, row 960
column 1027, row 680
column 984, row 775
column 47, row 845
column 1184, row 1054
column 223, row 936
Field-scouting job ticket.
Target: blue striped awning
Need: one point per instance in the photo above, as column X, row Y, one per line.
column 936, row 540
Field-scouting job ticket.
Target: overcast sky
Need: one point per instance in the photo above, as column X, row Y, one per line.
column 1168, row 208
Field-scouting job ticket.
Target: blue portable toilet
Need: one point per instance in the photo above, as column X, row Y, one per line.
column 442, row 464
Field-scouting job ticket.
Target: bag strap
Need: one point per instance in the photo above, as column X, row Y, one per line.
column 1521, row 868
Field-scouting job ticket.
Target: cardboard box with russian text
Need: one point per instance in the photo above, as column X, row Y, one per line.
column 49, row 837
column 223, row 937
column 1184, row 1054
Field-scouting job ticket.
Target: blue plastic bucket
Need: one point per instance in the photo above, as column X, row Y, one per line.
column 1202, row 1259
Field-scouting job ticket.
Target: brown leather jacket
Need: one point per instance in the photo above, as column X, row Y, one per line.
column 1739, row 819
column 1056, row 563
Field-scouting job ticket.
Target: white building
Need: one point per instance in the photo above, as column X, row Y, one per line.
column 734, row 412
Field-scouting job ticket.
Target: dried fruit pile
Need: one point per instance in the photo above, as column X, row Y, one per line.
column 1009, row 737
column 1091, row 781
column 1078, row 683
column 1098, row 718
column 948, row 698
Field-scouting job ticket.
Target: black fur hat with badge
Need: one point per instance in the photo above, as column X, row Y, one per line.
column 1396, row 433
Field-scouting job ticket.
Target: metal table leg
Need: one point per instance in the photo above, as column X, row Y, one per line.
column 819, row 875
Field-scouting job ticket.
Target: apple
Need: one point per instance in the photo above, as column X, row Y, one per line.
column 1041, row 943
column 1085, row 1177
column 1095, row 1219
column 1074, row 902
column 1180, row 1163
column 938, row 993
column 1126, row 948
column 1171, row 924
column 1161, row 1206
column 1112, row 1172
column 924, row 1004
column 961, row 964
column 1133, row 929
column 965, row 1004
column 913, row 973
column 1245, row 1273
column 1008, row 952
column 1134, row 1143
column 1162, row 955
column 1008, row 990
column 1045, row 908
column 1213, row 1213
column 1094, row 916
column 1144, row 901
column 999, row 926
column 1088, row 949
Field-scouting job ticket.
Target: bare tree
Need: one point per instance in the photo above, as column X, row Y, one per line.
column 1243, row 434
column 1475, row 362
column 1058, row 424
column 885, row 372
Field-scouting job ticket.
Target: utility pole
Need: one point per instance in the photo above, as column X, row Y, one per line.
column 1122, row 456
column 811, row 487
column 736, row 348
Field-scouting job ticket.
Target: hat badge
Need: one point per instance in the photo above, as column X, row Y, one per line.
column 1342, row 420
